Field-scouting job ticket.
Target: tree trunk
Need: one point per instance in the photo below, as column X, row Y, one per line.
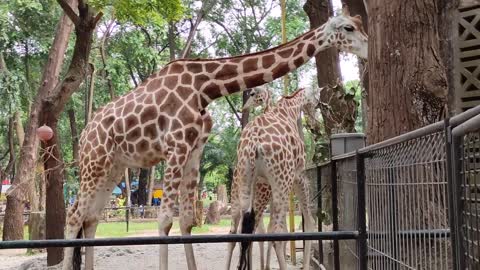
column 408, row 80
column 74, row 132
column 406, row 72
column 151, row 184
column 91, row 89
column 171, row 41
column 142, row 186
column 13, row 226
column 52, row 106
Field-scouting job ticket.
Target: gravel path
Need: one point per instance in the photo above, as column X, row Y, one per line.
column 208, row 256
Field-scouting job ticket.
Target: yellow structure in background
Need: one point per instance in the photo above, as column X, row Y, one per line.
column 158, row 193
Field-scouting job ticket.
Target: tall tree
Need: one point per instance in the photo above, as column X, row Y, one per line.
column 406, row 71
column 13, row 225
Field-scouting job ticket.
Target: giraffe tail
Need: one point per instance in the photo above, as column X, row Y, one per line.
column 77, row 255
column 248, row 225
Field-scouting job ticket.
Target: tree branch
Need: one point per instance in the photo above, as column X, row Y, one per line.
column 233, row 109
column 69, row 11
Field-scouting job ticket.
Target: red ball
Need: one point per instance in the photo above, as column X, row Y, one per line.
column 45, row 133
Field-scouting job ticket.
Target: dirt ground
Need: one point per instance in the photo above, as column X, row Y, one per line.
column 208, row 256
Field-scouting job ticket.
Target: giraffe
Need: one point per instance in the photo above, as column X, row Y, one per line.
column 271, row 152
column 261, row 97
column 165, row 118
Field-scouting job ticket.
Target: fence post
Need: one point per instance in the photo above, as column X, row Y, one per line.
column 319, row 212
column 452, row 198
column 458, row 204
column 336, row 247
column 362, row 212
column 127, row 215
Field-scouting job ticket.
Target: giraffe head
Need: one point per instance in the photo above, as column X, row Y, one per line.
column 259, row 96
column 347, row 34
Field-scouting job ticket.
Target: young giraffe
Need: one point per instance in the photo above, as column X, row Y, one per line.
column 271, row 151
column 259, row 97
column 165, row 118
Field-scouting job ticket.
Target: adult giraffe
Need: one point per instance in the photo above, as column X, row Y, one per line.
column 165, row 118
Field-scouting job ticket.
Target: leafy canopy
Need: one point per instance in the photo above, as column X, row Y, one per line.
column 143, row 12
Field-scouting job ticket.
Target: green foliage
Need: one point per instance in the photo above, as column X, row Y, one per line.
column 354, row 87
column 143, row 12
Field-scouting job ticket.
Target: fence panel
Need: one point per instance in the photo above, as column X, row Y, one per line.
column 407, row 203
column 347, row 210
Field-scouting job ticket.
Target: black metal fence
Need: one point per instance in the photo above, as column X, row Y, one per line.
column 411, row 202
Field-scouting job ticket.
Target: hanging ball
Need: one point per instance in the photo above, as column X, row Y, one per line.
column 45, row 133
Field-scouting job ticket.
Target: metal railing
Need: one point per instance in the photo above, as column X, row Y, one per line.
column 411, row 202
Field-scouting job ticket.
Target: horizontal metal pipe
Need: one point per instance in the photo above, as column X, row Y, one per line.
column 192, row 239
column 438, row 233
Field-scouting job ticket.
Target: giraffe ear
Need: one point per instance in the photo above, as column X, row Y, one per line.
column 345, row 10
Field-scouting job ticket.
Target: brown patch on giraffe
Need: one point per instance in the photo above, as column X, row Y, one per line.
column 212, row 90
column 191, row 134
column 181, row 159
column 175, row 184
column 195, row 67
column 128, row 107
column 200, row 80
column 186, row 116
column 171, row 82
column 143, row 146
column 150, row 131
column 138, row 109
column 163, row 71
column 193, row 103
column 148, row 113
column 236, row 60
column 170, row 104
column 203, row 102
column 186, row 78
column 149, row 99
column 254, row 80
column 184, row 92
column 308, row 35
column 91, row 136
column 134, row 134
column 175, row 68
column 226, row 72
column 251, row 64
column 130, row 122
column 310, row 50
column 178, row 135
column 232, row 87
column 268, row 60
column 286, row 53
column 163, row 122
column 166, row 230
column 154, row 85
column 181, row 149
column 160, row 96
column 175, row 125
column 211, row 67
column 280, row 70
column 299, row 48
column 298, row 61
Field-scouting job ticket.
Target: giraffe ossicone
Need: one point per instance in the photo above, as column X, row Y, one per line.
column 165, row 118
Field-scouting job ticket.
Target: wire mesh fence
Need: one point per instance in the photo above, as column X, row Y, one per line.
column 406, row 187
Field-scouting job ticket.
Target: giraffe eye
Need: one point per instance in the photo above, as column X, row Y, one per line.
column 252, row 94
column 349, row 28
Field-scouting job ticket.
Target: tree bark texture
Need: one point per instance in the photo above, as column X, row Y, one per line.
column 408, row 90
column 142, row 186
column 13, row 227
column 407, row 77
column 52, row 106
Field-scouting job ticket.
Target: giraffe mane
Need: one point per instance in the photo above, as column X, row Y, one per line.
column 293, row 94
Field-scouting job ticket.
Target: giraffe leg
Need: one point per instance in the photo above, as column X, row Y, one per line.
column 74, row 226
column 173, row 176
column 269, row 244
column 233, row 230
column 90, row 228
column 261, row 230
column 302, row 191
column 278, row 217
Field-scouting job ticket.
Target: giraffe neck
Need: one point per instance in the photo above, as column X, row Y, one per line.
column 290, row 106
column 225, row 76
